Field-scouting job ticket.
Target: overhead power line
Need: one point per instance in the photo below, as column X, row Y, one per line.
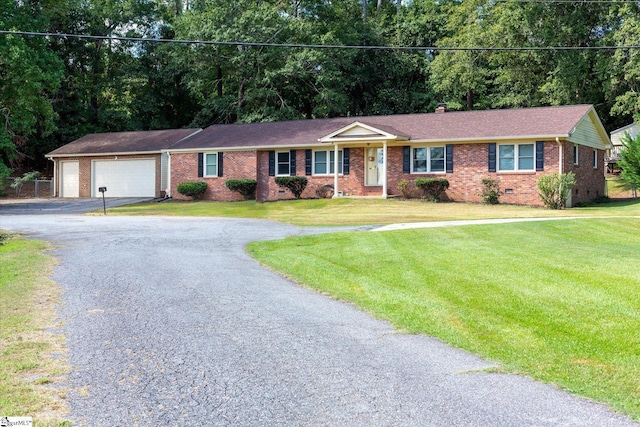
column 316, row 46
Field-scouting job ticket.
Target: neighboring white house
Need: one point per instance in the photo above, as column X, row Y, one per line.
column 612, row 155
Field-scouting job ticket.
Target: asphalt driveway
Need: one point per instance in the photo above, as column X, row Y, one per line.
column 169, row 322
column 63, row 206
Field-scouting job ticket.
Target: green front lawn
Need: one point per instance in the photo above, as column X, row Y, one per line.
column 27, row 310
column 558, row 301
column 363, row 211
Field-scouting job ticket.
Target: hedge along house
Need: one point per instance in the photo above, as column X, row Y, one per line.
column 128, row 164
column 369, row 156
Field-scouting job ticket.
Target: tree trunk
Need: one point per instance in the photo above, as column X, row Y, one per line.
column 469, row 99
column 219, row 82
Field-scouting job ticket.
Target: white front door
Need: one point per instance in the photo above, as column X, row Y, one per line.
column 374, row 163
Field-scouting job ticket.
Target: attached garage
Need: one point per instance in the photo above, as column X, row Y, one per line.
column 129, row 164
column 69, row 178
column 124, row 178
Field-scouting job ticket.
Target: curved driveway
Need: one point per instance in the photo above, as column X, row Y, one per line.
column 169, row 322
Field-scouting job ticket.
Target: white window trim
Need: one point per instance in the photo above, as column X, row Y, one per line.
column 575, row 154
column 278, row 164
column 428, row 147
column 595, row 159
column 204, row 165
column 329, row 154
column 516, row 158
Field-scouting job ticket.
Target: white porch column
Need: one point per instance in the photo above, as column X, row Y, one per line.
column 384, row 169
column 336, row 171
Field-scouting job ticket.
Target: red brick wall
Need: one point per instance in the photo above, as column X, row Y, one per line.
column 470, row 166
column 236, row 165
column 350, row 185
column 590, row 180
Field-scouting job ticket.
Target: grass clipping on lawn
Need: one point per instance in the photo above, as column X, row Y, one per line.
column 558, row 300
column 32, row 353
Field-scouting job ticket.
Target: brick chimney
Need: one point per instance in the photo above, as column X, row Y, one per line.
column 442, row 108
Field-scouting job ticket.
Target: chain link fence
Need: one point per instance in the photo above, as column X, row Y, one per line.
column 37, row 188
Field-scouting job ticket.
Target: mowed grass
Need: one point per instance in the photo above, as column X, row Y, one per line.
column 31, row 357
column 555, row 300
column 363, row 211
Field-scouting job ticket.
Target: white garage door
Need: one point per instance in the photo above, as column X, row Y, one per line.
column 124, row 178
column 69, row 179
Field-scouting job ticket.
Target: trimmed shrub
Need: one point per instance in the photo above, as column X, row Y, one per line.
column 404, row 188
column 432, row 188
column 490, row 192
column 193, row 189
column 554, row 189
column 295, row 184
column 324, row 191
column 245, row 186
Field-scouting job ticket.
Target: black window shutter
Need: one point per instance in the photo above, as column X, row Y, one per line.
column 200, row 165
column 449, row 158
column 406, row 159
column 307, row 162
column 272, row 163
column 540, row 155
column 492, row 157
column 220, row 167
column 292, row 163
column 345, row 161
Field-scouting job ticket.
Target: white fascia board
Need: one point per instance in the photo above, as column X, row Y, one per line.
column 623, row 129
column 486, row 140
column 592, row 116
column 245, row 148
column 334, row 135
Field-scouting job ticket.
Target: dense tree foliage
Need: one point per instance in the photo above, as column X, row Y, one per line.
column 54, row 90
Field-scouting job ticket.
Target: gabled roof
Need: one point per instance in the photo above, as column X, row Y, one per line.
column 576, row 123
column 363, row 132
column 616, row 136
column 473, row 126
column 152, row 141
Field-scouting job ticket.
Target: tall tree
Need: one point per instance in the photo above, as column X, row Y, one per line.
column 29, row 74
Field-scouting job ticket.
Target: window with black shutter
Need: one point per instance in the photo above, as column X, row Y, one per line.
column 345, row 161
column 272, row 163
column 449, row 159
column 492, row 157
column 540, row 156
column 292, row 163
column 307, row 162
column 406, row 159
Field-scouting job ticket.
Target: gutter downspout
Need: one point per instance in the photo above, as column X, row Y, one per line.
column 561, row 169
column 167, row 193
column 560, row 156
column 54, row 182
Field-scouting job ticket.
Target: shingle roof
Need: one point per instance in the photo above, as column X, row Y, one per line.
column 124, row 142
column 450, row 126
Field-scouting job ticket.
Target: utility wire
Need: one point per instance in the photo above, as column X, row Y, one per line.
column 317, row 46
